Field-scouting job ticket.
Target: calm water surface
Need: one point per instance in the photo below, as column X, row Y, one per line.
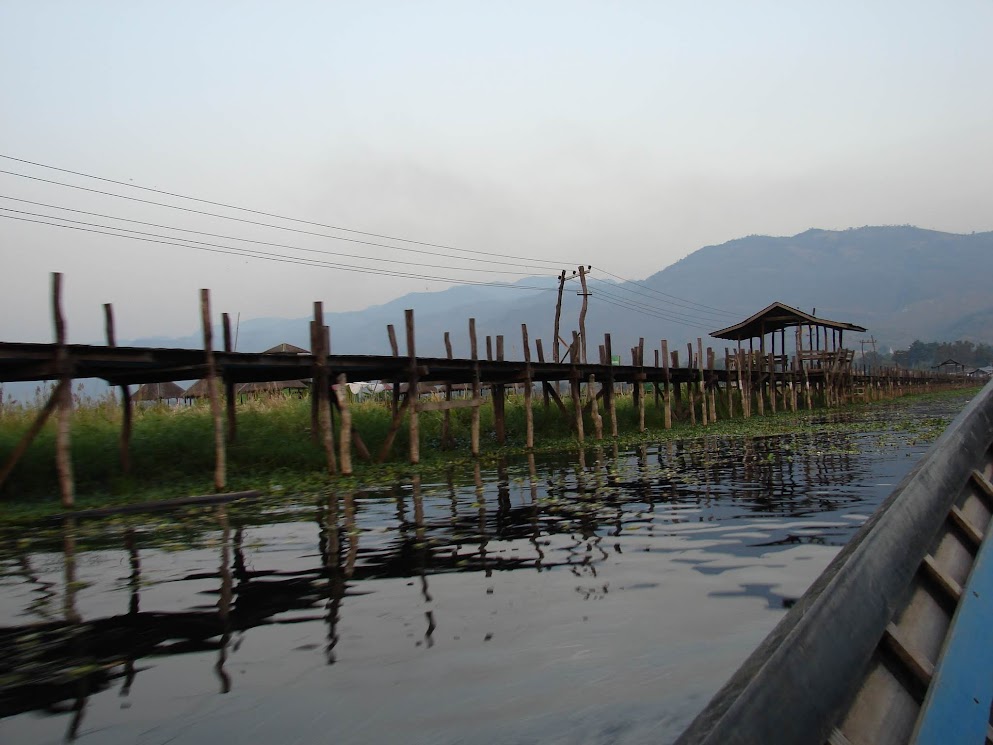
column 598, row 597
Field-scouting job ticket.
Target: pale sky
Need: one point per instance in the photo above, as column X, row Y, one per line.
column 620, row 134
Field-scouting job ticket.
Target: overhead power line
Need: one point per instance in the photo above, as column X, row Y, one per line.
column 661, row 312
column 231, row 238
column 666, row 294
column 246, row 210
column 286, row 259
column 697, row 315
column 650, row 314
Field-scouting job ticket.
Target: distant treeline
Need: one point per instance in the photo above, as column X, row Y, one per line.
column 928, row 354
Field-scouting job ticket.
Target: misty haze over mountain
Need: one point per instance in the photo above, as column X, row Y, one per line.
column 901, row 283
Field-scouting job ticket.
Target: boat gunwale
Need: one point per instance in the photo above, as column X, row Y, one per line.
column 797, row 684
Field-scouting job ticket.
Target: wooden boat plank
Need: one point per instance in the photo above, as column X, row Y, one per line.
column 957, row 707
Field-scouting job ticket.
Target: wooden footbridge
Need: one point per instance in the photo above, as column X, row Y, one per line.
column 749, row 381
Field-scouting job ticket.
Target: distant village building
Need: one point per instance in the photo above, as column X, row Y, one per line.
column 157, row 392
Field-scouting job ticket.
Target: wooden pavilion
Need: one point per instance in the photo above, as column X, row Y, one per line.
column 824, row 347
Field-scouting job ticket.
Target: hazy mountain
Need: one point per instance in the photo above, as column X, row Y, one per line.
column 902, row 283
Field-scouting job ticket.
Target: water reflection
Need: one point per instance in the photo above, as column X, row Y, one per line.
column 582, row 516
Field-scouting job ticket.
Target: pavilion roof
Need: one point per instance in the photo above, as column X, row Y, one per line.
column 776, row 317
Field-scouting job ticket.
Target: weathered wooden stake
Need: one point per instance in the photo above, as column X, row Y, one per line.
column 63, row 453
column 667, row 396
column 220, row 458
column 125, row 444
column 446, row 422
column 611, row 404
column 713, row 385
column 345, row 435
column 413, row 392
column 28, row 437
column 499, row 399
column 322, row 383
column 690, row 388
column 528, row 390
column 395, row 349
column 704, row 407
column 474, row 354
column 577, row 404
column 229, row 397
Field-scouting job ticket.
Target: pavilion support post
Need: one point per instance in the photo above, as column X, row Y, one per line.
column 499, row 400
column 220, row 455
column 574, row 383
column 611, row 402
column 474, row 352
column 729, row 391
column 322, row 385
column 528, row 390
column 345, row 433
column 413, row 392
column 595, row 407
column 772, row 380
column 229, row 397
column 756, row 364
column 126, row 411
column 667, row 395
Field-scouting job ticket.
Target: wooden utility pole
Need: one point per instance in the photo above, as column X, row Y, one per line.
column 582, row 312
column 558, row 316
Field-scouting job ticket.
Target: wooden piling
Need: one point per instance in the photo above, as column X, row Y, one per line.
column 229, row 397
column 611, row 403
column 395, row 349
column 446, row 422
column 640, row 383
column 544, row 386
column 413, row 392
column 772, row 380
column 704, row 413
column 712, row 384
column 220, row 459
column 345, row 433
column 126, row 411
column 28, row 437
column 63, row 412
column 322, row 385
column 499, row 399
column 474, row 352
column 577, row 404
column 528, row 390
column 690, row 388
column 667, row 395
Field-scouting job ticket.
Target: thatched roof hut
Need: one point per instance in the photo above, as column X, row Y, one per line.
column 157, row 392
column 197, row 390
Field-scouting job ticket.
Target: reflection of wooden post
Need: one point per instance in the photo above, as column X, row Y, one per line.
column 474, row 352
column 345, row 434
column 220, row 461
column 224, row 600
column 413, row 393
column 63, row 454
column 229, row 398
column 108, row 312
column 69, row 570
column 667, row 395
column 528, row 390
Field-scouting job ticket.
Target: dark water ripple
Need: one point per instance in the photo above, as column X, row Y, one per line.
column 599, row 597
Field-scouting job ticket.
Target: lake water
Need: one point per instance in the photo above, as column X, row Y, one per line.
column 597, row 597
